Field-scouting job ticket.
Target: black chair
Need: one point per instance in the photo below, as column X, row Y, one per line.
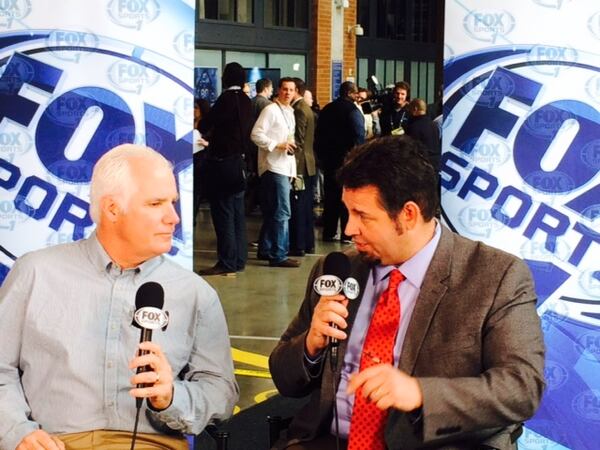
column 246, row 430
column 214, row 437
column 277, row 424
column 219, row 435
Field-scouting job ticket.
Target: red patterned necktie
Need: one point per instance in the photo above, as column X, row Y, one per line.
column 368, row 422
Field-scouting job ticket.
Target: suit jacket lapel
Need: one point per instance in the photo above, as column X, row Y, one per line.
column 432, row 291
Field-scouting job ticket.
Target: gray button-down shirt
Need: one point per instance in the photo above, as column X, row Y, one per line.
column 66, row 339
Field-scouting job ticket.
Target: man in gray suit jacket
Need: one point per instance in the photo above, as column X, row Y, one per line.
column 302, row 222
column 468, row 355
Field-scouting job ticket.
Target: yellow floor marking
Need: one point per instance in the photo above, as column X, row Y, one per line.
column 254, row 359
column 252, row 373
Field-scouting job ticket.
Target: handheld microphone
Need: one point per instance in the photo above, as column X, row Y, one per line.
column 148, row 316
column 336, row 279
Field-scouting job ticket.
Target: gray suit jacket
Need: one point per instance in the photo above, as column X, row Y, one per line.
column 474, row 342
column 305, row 138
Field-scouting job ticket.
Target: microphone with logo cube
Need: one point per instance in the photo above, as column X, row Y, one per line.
column 148, row 316
column 335, row 279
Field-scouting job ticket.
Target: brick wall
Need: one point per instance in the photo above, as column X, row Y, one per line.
column 320, row 55
column 319, row 73
column 350, row 41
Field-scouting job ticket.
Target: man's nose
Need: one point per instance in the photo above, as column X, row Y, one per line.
column 351, row 227
column 171, row 216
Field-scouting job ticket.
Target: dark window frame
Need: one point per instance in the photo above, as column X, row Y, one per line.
column 293, row 18
column 235, row 13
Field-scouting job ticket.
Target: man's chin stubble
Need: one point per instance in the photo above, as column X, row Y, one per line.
column 369, row 259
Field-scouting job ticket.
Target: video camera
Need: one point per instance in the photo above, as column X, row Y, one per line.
column 381, row 96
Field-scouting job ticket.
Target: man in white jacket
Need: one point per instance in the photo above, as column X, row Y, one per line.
column 273, row 134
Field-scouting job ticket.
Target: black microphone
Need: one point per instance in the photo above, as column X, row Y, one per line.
column 148, row 316
column 336, row 271
column 335, row 279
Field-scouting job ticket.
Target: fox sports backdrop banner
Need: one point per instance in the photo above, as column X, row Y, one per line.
column 521, row 155
column 76, row 79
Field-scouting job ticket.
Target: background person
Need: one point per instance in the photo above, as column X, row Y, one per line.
column 421, row 127
column 302, row 222
column 273, row 134
column 67, row 359
column 442, row 349
column 340, row 127
column 264, row 91
column 394, row 114
column 201, row 109
column 229, row 123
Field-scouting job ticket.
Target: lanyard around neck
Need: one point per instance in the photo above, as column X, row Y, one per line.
column 287, row 122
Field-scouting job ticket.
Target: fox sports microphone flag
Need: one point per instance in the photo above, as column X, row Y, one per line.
column 76, row 79
column 520, row 171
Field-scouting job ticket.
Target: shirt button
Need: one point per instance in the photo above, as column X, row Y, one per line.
column 109, row 364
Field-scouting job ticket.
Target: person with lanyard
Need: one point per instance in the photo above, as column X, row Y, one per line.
column 441, row 349
column 273, row 134
column 395, row 114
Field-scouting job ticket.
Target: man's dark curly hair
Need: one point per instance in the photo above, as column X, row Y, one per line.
column 398, row 168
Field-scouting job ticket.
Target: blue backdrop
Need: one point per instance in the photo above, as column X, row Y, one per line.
column 76, row 79
column 520, row 170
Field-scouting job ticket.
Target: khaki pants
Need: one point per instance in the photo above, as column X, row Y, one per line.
column 121, row 440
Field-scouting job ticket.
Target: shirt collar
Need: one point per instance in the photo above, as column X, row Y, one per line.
column 415, row 268
column 101, row 260
column 97, row 254
column 282, row 105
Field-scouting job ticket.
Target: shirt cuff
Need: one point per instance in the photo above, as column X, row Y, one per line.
column 16, row 435
column 172, row 416
column 313, row 365
column 415, row 418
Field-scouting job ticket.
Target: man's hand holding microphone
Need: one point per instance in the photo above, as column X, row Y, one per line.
column 328, row 322
column 336, row 288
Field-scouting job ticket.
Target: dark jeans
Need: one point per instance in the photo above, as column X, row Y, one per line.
column 199, row 180
column 333, row 207
column 275, row 204
column 229, row 221
column 302, row 222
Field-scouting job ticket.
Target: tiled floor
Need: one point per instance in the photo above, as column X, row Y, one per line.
column 258, row 303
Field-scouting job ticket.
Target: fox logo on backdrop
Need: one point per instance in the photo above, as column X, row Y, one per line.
column 68, row 94
column 521, row 171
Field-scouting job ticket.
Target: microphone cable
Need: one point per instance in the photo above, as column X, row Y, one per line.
column 138, row 408
column 333, row 362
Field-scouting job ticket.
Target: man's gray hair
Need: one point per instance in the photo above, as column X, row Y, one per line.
column 112, row 175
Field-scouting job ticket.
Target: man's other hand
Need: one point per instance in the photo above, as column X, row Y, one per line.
column 288, row 147
column 40, row 440
column 387, row 387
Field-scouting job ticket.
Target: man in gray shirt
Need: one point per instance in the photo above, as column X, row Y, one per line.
column 264, row 91
column 68, row 355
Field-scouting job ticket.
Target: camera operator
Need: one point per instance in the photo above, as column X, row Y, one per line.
column 370, row 113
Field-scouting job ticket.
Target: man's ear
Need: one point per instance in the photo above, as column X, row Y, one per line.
column 109, row 208
column 409, row 214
